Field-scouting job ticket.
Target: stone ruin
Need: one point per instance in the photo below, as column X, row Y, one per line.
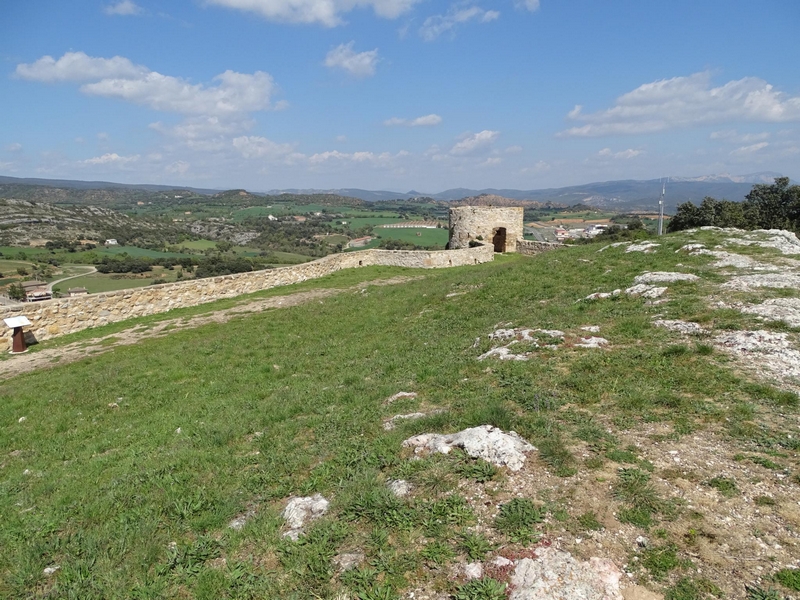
column 499, row 226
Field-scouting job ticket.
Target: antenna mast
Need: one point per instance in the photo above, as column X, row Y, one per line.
column 661, row 208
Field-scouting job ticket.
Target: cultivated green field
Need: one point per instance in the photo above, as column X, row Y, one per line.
column 426, row 237
column 107, row 282
column 125, row 469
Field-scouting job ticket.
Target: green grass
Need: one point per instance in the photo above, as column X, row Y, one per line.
column 426, row 237
column 101, row 282
column 134, row 501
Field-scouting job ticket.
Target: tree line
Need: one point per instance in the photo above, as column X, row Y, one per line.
column 767, row 206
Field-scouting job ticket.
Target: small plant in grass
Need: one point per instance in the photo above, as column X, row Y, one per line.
column 755, row 592
column 622, row 456
column 517, row 519
column 190, row 559
column 594, row 462
column 359, row 580
column 764, row 501
column 474, row 545
column 724, row 485
column 379, row 592
column 703, row 349
column 687, row 588
column 660, row 560
column 675, row 350
column 555, row 454
column 479, row 470
column 481, row 589
column 588, row 521
column 789, row 578
column 636, row 516
column 437, row 553
column 634, row 488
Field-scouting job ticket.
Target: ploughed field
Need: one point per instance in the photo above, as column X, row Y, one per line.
column 664, row 426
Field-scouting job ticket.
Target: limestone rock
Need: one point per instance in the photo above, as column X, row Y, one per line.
column 744, row 283
column 348, row 560
column 399, row 487
column 777, row 309
column 486, row 442
column 591, row 342
column 647, row 247
column 300, row 511
column 684, row 327
column 556, row 575
column 473, row 570
column 503, row 353
column 664, row 277
column 392, row 423
column 400, row 395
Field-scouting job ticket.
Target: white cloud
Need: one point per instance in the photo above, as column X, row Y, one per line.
column 491, row 161
column 125, row 8
column 260, row 147
column 624, row 154
column 475, row 142
column 15, row 147
column 372, row 158
column 234, row 93
column 734, row 137
column 749, row 150
column 426, row 121
column 436, row 25
column 540, row 167
column 110, row 158
column 531, row 5
column 77, row 66
column 686, row 102
column 323, row 12
column 341, row 138
column 513, row 150
column 357, row 64
column 179, row 167
column 103, row 136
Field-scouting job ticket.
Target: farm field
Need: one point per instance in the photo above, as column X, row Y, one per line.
column 107, row 282
column 130, row 466
column 426, row 237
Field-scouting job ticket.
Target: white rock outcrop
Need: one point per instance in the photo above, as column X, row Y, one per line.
column 299, row 511
column 647, row 247
column 684, row 327
column 486, row 442
column 744, row 283
column 664, row 277
column 777, row 309
column 556, row 575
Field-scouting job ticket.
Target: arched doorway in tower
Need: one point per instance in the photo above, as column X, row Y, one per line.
column 499, row 239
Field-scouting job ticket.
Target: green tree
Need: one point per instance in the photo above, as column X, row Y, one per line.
column 775, row 206
column 16, row 292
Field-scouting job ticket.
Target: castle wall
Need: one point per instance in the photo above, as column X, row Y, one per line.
column 52, row 318
column 531, row 247
column 468, row 223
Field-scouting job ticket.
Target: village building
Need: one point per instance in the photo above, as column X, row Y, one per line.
column 36, row 291
column 77, row 291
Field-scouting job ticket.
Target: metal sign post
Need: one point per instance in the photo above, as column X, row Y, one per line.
column 18, row 344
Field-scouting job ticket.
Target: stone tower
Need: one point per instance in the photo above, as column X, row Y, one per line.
column 500, row 226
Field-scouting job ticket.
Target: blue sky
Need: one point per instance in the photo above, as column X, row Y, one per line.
column 397, row 94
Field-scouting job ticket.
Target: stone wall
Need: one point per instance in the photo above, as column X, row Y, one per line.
column 469, row 223
column 52, row 318
column 531, row 247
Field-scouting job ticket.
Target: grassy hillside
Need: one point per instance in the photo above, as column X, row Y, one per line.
column 126, row 468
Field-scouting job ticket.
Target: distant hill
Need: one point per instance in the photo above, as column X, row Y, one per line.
column 99, row 185
column 622, row 195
